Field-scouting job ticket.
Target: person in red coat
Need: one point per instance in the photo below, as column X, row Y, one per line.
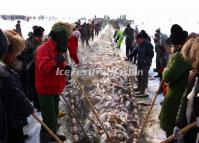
column 50, row 79
column 72, row 46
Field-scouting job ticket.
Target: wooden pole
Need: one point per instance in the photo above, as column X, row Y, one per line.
column 47, row 129
column 74, row 114
column 183, row 130
column 92, row 107
column 149, row 112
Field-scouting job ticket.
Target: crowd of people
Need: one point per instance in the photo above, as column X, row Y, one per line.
column 29, row 80
column 177, row 65
column 28, row 75
column 89, row 30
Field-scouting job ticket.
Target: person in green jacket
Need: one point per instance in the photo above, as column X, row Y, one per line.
column 175, row 76
column 189, row 107
column 119, row 38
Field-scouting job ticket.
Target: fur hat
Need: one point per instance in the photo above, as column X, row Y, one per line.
column 60, row 35
column 17, row 43
column 38, row 31
column 4, row 44
column 66, row 25
column 178, row 35
column 76, row 34
column 190, row 50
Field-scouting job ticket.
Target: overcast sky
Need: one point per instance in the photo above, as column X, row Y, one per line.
column 113, row 8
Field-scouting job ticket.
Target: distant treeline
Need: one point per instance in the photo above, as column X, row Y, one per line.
column 26, row 18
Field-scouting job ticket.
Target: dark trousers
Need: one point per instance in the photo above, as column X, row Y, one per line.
column 143, row 79
column 129, row 48
column 92, row 35
column 49, row 110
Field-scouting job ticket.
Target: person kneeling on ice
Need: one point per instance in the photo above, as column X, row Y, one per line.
column 189, row 108
column 175, row 75
column 17, row 106
column 48, row 58
column 145, row 53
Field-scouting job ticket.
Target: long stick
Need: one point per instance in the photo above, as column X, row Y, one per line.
column 47, row 129
column 74, row 114
column 92, row 107
column 183, row 130
column 149, row 112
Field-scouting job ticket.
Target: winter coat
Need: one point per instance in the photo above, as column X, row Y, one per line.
column 119, row 41
column 18, row 29
column 3, row 118
column 27, row 73
column 118, row 35
column 129, row 33
column 85, row 33
column 145, row 54
column 175, row 76
column 119, row 38
column 161, row 57
column 30, row 81
column 31, row 45
column 188, row 111
column 72, row 46
column 47, row 77
column 17, row 106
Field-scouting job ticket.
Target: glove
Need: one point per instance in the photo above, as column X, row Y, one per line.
column 177, row 133
column 197, row 121
column 60, row 58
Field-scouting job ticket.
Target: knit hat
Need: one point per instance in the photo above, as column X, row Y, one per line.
column 38, row 31
column 4, row 43
column 76, row 34
column 178, row 35
column 60, row 35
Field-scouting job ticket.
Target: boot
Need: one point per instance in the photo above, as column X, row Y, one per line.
column 141, row 94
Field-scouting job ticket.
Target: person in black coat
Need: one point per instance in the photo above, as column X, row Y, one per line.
column 145, row 53
column 4, row 44
column 17, row 106
column 18, row 28
column 129, row 33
